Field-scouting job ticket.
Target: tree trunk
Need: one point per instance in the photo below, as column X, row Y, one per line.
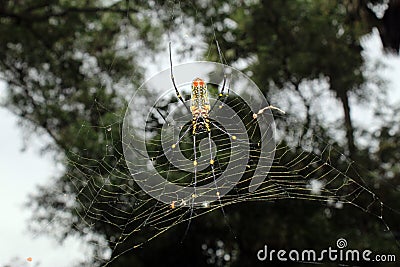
column 348, row 124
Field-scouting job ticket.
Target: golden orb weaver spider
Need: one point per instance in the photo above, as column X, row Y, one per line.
column 201, row 123
column 199, row 101
column 200, row 109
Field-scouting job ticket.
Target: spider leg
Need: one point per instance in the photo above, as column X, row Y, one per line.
column 162, row 116
column 173, row 145
column 270, row 107
column 216, row 186
column 222, row 91
column 212, row 165
column 194, row 184
column 223, row 88
column 234, row 137
column 221, row 94
column 173, row 80
column 195, row 165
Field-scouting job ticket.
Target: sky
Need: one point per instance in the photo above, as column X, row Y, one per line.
column 21, row 171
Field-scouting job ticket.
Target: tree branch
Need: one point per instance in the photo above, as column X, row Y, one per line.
column 67, row 11
column 93, row 10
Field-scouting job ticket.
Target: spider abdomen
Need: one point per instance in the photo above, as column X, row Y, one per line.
column 200, row 103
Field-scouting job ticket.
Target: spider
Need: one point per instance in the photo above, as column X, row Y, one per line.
column 200, row 109
column 200, row 103
column 201, row 123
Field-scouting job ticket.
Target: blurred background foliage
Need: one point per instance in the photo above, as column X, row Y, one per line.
column 71, row 66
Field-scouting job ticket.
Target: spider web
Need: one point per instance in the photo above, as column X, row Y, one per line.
column 113, row 198
column 106, row 193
